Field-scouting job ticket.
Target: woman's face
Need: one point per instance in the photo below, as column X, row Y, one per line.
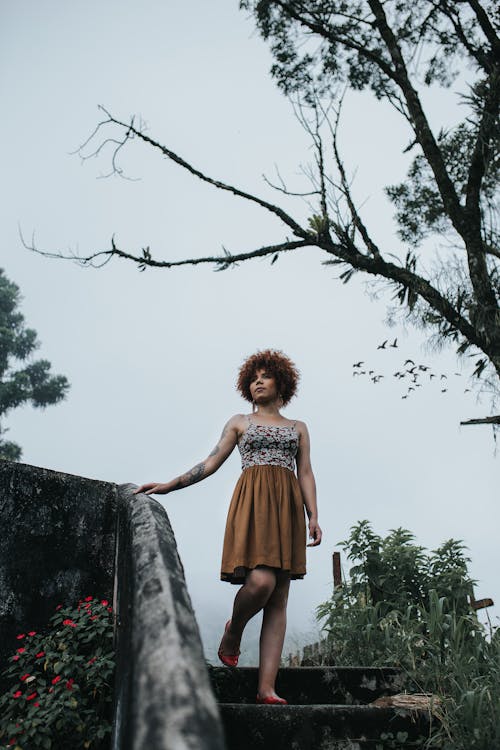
column 263, row 387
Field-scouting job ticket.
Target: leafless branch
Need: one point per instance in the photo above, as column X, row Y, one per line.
column 119, row 144
column 132, row 130
column 485, row 420
column 356, row 218
column 282, row 188
column 101, row 257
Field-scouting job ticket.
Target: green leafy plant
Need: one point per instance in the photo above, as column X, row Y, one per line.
column 402, row 606
column 60, row 682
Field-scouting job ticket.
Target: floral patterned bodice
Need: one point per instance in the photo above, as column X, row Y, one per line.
column 271, row 445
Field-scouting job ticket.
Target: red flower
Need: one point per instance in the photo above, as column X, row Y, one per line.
column 88, row 605
column 40, row 654
column 94, row 617
column 58, row 607
column 11, row 742
column 21, row 635
column 56, row 679
column 36, row 704
column 69, row 683
column 30, row 697
column 21, row 650
column 70, row 623
column 104, row 602
column 88, row 598
column 91, row 661
column 110, row 609
column 24, row 677
column 51, row 690
column 15, row 658
column 17, row 694
column 32, row 632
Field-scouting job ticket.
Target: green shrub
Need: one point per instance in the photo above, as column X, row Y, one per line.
column 60, row 681
column 407, row 608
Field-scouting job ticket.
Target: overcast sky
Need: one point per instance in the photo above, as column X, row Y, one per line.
column 152, row 357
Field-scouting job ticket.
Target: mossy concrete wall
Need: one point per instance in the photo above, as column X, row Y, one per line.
column 64, row 537
column 57, row 541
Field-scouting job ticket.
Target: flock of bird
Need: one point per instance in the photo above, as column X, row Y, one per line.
column 410, row 370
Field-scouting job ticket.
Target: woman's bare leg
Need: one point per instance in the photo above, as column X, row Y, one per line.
column 272, row 636
column 253, row 596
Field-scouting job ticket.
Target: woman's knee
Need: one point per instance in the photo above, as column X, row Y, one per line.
column 261, row 581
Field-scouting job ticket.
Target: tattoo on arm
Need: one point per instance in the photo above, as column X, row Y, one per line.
column 190, row 477
column 217, row 447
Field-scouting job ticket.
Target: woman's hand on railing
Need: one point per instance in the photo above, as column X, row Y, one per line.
column 152, row 488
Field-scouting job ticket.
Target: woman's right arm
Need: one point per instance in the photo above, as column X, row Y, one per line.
column 204, row 469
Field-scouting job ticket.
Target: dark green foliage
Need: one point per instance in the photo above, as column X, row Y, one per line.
column 405, row 607
column 60, row 682
column 419, row 208
column 31, row 383
column 395, row 573
column 352, row 51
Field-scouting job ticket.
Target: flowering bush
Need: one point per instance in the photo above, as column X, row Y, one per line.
column 60, row 690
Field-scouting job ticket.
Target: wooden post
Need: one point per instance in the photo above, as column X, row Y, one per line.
column 480, row 603
column 337, row 573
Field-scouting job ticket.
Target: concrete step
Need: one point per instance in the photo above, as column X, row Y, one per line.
column 319, row 727
column 310, row 685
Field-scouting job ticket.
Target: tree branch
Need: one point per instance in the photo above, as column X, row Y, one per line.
column 460, row 218
column 478, row 54
column 328, row 34
column 358, row 222
column 490, row 250
column 146, row 260
column 421, row 126
column 486, row 26
column 477, row 169
column 283, row 188
column 482, row 148
column 276, row 210
column 420, row 286
column 485, row 420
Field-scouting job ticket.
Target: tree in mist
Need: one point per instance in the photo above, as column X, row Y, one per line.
column 445, row 279
column 31, row 382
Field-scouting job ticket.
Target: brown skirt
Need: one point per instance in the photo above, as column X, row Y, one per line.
column 265, row 524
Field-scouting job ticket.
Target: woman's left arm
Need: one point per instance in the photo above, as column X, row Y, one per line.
column 308, row 484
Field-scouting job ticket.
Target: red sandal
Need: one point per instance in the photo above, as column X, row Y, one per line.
column 229, row 660
column 271, row 700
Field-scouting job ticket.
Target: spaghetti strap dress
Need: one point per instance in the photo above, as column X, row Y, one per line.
column 265, row 522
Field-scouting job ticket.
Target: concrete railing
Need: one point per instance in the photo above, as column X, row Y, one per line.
column 163, row 698
column 64, row 537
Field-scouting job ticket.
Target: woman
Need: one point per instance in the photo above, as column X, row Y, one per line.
column 265, row 538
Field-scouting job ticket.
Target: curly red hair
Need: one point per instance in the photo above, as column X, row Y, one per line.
column 278, row 365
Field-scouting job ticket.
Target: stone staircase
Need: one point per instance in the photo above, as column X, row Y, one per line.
column 329, row 709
